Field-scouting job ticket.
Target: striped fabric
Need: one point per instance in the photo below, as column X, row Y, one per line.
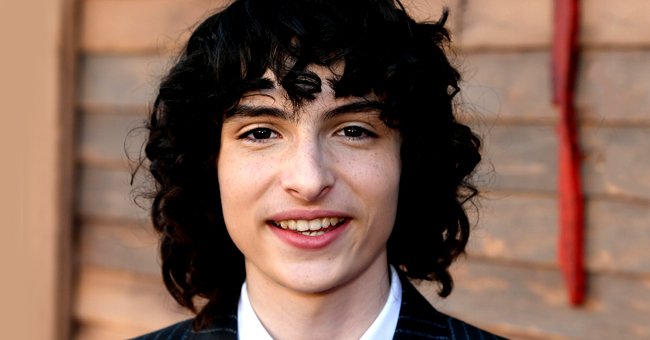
column 224, row 328
column 419, row 320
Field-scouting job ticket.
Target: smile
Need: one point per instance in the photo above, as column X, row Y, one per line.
column 315, row 227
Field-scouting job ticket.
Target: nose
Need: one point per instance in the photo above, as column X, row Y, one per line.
column 307, row 174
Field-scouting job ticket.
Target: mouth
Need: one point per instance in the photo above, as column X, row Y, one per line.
column 315, row 227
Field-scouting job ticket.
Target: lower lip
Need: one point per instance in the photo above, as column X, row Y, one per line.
column 301, row 241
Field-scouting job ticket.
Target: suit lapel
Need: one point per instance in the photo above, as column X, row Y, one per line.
column 417, row 318
column 223, row 328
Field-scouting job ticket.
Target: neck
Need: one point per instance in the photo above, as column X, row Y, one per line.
column 343, row 312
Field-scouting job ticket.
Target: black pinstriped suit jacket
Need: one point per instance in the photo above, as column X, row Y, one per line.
column 417, row 320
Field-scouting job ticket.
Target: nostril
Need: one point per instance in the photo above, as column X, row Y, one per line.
column 308, row 184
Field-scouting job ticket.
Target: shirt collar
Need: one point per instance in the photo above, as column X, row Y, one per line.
column 250, row 327
column 248, row 324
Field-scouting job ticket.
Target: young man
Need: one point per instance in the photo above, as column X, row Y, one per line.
column 289, row 145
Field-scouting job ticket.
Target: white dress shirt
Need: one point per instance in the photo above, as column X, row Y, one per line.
column 249, row 326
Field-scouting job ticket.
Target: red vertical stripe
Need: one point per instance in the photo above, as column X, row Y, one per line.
column 571, row 200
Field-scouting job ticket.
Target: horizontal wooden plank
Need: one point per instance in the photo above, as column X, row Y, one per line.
column 506, row 23
column 106, row 193
column 128, row 246
column 613, row 86
column 507, row 86
column 523, row 228
column 120, row 81
column 513, row 24
column 140, row 25
column 521, row 300
column 516, row 227
column 611, row 23
column 515, row 86
column 120, row 300
column 618, row 235
column 518, row 157
column 111, row 139
column 617, row 161
column 523, row 157
column 115, row 26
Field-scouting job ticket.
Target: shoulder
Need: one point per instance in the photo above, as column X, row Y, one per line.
column 419, row 320
column 461, row 330
column 223, row 328
column 178, row 330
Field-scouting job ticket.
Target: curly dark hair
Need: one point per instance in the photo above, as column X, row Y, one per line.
column 384, row 52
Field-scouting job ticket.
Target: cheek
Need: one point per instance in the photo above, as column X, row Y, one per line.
column 239, row 174
column 389, row 174
column 376, row 179
column 385, row 169
column 233, row 180
column 243, row 181
column 379, row 193
column 229, row 177
column 387, row 187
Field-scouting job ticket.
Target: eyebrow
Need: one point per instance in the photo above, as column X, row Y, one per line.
column 257, row 111
column 358, row 106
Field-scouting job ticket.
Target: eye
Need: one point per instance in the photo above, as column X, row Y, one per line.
column 259, row 134
column 355, row 132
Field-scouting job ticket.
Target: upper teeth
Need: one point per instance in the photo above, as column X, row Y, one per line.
column 304, row 225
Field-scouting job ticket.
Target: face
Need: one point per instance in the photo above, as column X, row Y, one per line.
column 309, row 194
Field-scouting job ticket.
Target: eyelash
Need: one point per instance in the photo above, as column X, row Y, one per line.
column 249, row 135
column 360, row 134
column 355, row 128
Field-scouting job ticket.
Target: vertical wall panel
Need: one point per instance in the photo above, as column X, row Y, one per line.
column 509, row 282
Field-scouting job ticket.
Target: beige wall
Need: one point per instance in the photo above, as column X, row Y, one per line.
column 34, row 140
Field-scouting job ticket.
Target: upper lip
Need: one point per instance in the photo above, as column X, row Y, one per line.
column 306, row 215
